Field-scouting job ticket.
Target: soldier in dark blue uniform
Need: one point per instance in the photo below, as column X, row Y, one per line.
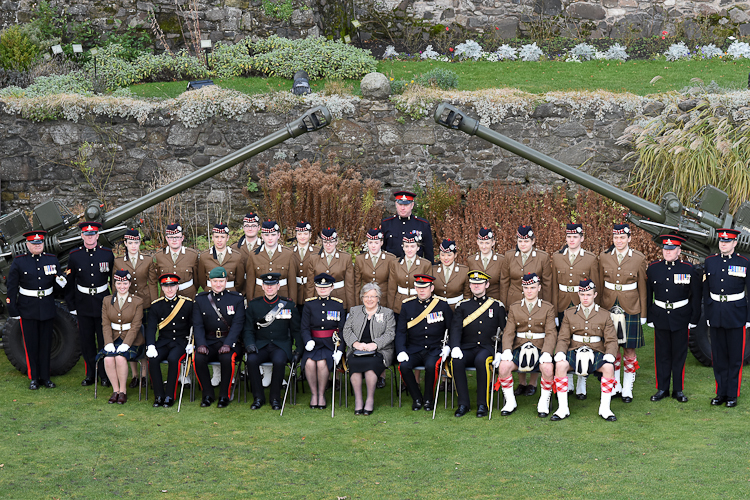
column 31, row 281
column 725, row 286
column 271, row 323
column 394, row 228
column 674, row 306
column 421, row 328
column 476, row 322
column 218, row 318
column 322, row 318
column 89, row 272
column 172, row 315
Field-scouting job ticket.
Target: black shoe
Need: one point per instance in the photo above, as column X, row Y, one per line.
column 659, row 395
column 33, row 385
column 530, row 390
column 610, row 418
column 158, row 402
column 87, row 381
column 275, row 404
column 206, row 401
column 718, row 400
column 144, row 382
column 48, row 384
column 541, row 414
column 520, row 390
column 556, row 418
column 368, row 412
column 731, row 402
column 168, row 402
column 482, row 411
column 381, row 383
column 504, row 413
column 427, row 405
column 416, row 404
column 223, row 402
column 257, row 403
column 680, row 397
column 107, row 383
column 359, row 412
column 462, row 410
column 580, row 397
column 626, row 399
column 133, row 383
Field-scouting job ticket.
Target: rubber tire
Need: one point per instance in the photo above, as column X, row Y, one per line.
column 700, row 342
column 66, row 347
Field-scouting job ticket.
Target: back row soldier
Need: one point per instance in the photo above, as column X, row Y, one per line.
column 303, row 251
column 403, row 273
column 403, row 223
column 221, row 255
column 451, row 278
column 335, row 263
column 488, row 261
column 271, row 257
column 372, row 265
column 178, row 260
column 250, row 240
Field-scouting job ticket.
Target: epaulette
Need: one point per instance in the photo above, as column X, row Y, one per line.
column 408, row 299
column 462, row 301
column 742, row 256
column 441, row 298
column 48, row 254
column 107, row 249
column 157, row 300
column 186, row 298
column 336, row 299
column 540, row 251
column 311, row 298
column 423, row 220
column 389, row 253
column 712, row 255
column 188, row 249
column 654, row 262
column 76, row 250
column 638, row 252
column 686, row 262
column 388, row 218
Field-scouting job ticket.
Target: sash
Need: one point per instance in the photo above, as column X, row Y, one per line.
column 471, row 317
column 421, row 317
column 174, row 312
column 217, row 311
column 270, row 317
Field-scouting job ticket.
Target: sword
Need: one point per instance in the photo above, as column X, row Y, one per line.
column 187, row 369
column 336, row 343
column 286, row 392
column 438, row 375
column 492, row 380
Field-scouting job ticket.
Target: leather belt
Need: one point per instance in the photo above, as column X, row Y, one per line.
column 529, row 335
column 323, row 334
column 727, row 298
column 587, row 340
column 119, row 327
column 186, row 285
column 301, row 280
column 619, row 287
column 568, row 288
column 92, row 290
column 671, row 305
column 259, row 282
column 407, row 291
column 35, row 293
column 230, row 284
column 454, row 300
column 219, row 334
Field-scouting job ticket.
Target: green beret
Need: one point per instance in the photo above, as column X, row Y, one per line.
column 217, row 272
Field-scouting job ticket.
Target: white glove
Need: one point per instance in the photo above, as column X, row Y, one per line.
column 151, row 351
column 643, row 321
column 123, row 348
column 337, row 357
column 747, row 325
column 456, row 353
column 651, row 325
column 609, row 358
column 61, row 281
column 691, row 326
column 708, row 322
column 507, row 355
column 444, row 352
column 496, row 360
column 74, row 313
column 310, row 345
column 109, row 348
column 15, row 317
column 545, row 358
column 557, row 322
column 560, row 356
column 189, row 349
column 402, row 357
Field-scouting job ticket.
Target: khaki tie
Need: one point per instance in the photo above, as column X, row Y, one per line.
column 121, row 301
column 408, row 265
column 374, row 260
column 523, row 258
column 220, row 258
column 485, row 262
column 572, row 258
column 586, row 311
column 270, row 254
column 174, row 258
column 447, row 274
column 302, row 252
column 530, row 305
column 134, row 260
column 329, row 258
column 619, row 258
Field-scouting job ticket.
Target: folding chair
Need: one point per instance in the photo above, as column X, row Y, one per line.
column 96, row 378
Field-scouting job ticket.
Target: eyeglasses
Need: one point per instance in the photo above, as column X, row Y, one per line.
column 370, row 297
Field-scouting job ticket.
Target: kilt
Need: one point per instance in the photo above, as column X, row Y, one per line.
column 323, row 351
column 132, row 354
column 633, row 333
column 598, row 361
column 517, row 358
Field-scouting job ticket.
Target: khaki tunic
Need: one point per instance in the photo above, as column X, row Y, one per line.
column 599, row 324
column 513, row 272
column 233, row 264
column 301, row 276
column 132, row 313
column 540, row 320
column 457, row 287
column 585, row 266
column 631, row 271
column 283, row 262
column 401, row 281
column 341, row 269
column 139, row 280
column 494, row 270
column 186, row 268
column 364, row 272
column 242, row 247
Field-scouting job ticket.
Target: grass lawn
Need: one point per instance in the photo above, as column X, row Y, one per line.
column 540, row 77
column 62, row 443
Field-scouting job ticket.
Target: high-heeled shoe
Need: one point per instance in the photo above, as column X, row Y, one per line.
column 359, row 412
column 369, row 412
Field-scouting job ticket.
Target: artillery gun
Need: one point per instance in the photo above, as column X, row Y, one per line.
column 63, row 236
column 698, row 224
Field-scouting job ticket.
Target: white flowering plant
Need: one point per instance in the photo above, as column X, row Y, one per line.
column 677, row 51
column 530, row 52
column 738, row 50
column 429, row 53
column 468, row 50
column 503, row 53
column 615, row 53
column 390, row 52
column 710, row 51
column 583, row 51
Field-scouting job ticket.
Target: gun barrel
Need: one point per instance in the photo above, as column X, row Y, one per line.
column 313, row 119
column 451, row 117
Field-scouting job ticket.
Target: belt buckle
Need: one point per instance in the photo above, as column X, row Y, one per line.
column 218, row 333
column 722, row 298
column 668, row 305
column 586, row 339
column 618, row 287
column 571, row 289
column 528, row 336
column 92, row 291
column 40, row 294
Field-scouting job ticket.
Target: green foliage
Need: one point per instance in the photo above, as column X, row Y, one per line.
column 133, row 42
column 17, row 50
column 11, row 78
column 278, row 9
column 439, row 77
column 398, row 86
column 72, row 83
column 228, row 61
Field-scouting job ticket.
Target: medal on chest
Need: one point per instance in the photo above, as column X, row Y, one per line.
column 285, row 314
column 104, row 267
column 739, row 271
column 230, row 310
column 682, row 279
column 51, row 269
column 435, row 317
column 333, row 315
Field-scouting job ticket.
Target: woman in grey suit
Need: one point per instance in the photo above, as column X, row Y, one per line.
column 369, row 332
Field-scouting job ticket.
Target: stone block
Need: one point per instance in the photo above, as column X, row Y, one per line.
column 64, row 133
column 237, row 4
column 14, row 146
column 745, row 29
column 420, row 135
column 375, row 86
column 388, row 135
column 19, row 168
column 302, row 17
column 180, row 135
column 349, row 132
column 582, row 10
column 570, row 129
column 507, row 28
column 215, row 14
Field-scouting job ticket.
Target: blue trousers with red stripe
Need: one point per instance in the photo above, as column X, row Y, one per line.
column 173, row 353
column 427, row 358
column 727, row 353
column 670, row 353
column 227, row 362
column 37, row 339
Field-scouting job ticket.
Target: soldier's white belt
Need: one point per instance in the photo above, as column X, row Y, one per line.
column 727, row 298
column 568, row 288
column 186, row 285
column 454, row 300
column 338, row 284
column 407, row 291
column 93, row 290
column 671, row 305
column 618, row 287
column 529, row 335
column 119, row 327
column 259, row 282
column 35, row 293
column 588, row 340
column 301, row 280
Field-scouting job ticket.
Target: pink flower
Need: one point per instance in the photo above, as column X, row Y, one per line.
column 446, row 28
column 451, row 49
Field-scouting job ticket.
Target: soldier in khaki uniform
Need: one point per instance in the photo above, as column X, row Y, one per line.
column 622, row 280
column 587, row 342
column 451, row 279
column 402, row 272
column 488, row 260
column 271, row 257
column 528, row 342
column 250, row 240
column 221, row 255
column 569, row 266
column 372, row 265
column 175, row 259
column 303, row 251
column 336, row 263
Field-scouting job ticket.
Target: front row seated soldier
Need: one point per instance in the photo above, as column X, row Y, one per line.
column 271, row 324
column 528, row 342
column 476, row 323
column 172, row 315
column 218, row 318
column 420, row 339
column 586, row 343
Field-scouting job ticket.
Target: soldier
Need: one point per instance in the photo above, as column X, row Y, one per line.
column 674, row 294
column 528, row 342
column 303, row 251
column 31, row 281
column 451, row 278
column 271, row 324
column 725, row 298
column 569, row 266
column 139, row 269
column 476, row 323
column 404, row 222
column 420, row 339
column 222, row 255
column 402, row 273
column 622, row 276
column 587, row 341
column 488, row 260
column 250, row 240
column 218, row 318
column 175, row 259
column 271, row 257
column 89, row 269
column 172, row 315
column 372, row 265
column 336, row 263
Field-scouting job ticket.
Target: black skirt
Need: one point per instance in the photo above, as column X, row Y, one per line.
column 362, row 364
column 323, row 350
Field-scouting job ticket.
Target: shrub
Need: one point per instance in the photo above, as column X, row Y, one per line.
column 711, row 50
column 739, row 50
column 584, row 51
column 18, row 79
column 530, row 52
column 615, row 52
column 391, row 52
column 398, row 86
column 133, row 42
column 439, row 77
column 72, row 83
column 17, row 51
column 677, row 51
column 468, row 50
